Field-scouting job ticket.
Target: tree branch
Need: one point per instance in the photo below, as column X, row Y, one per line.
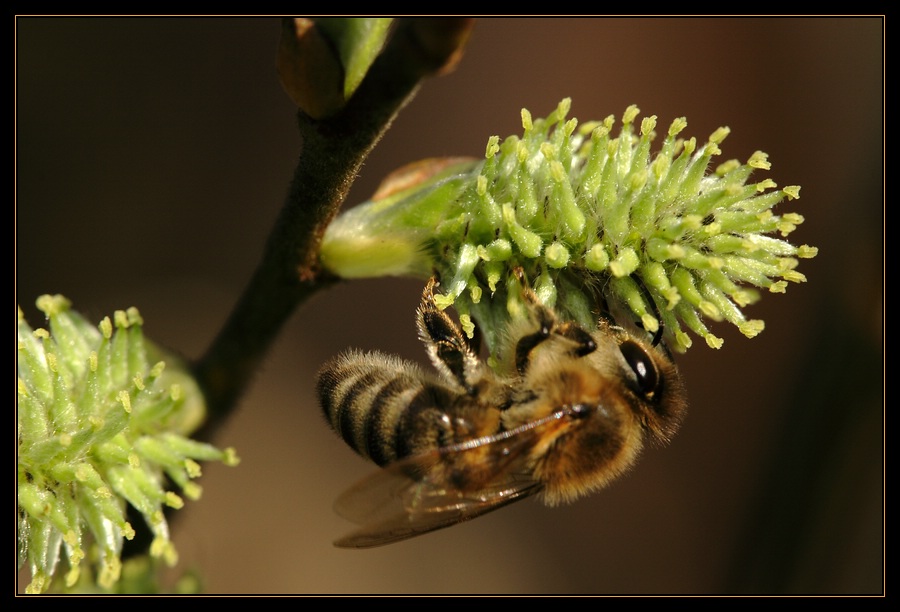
column 333, row 150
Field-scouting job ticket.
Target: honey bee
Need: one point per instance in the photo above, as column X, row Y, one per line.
column 567, row 415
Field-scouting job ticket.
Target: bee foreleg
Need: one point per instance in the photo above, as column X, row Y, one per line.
column 526, row 343
column 582, row 342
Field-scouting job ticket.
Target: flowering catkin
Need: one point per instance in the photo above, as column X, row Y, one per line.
column 596, row 221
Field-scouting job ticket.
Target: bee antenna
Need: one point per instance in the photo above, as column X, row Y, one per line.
column 657, row 337
column 648, row 297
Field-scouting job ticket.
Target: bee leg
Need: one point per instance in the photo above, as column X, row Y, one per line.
column 527, row 343
column 584, row 342
column 445, row 343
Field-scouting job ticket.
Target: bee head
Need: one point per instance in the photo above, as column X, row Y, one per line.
column 654, row 380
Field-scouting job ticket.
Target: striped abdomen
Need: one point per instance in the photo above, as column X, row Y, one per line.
column 383, row 407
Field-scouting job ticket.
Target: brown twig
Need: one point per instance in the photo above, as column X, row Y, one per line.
column 333, row 149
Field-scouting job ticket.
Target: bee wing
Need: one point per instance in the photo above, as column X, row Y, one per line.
column 440, row 511
column 402, row 500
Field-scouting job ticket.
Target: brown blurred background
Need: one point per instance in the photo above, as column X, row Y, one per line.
column 153, row 156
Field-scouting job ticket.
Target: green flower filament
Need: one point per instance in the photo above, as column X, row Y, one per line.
column 596, row 221
column 101, row 423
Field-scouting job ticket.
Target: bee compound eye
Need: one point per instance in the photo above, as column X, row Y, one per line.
column 643, row 366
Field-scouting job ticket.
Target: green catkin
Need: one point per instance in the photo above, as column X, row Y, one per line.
column 92, row 437
column 576, row 207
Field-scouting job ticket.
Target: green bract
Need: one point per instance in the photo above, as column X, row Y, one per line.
column 358, row 42
column 595, row 221
column 102, row 422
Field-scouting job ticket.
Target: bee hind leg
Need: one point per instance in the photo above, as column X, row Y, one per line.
column 446, row 343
